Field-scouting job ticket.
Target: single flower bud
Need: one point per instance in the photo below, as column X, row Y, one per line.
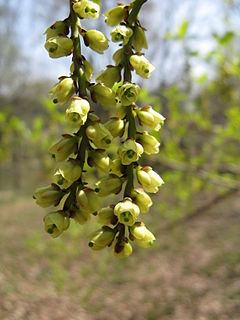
column 115, row 15
column 93, row 117
column 88, row 69
column 99, row 159
column 88, row 200
column 118, row 56
column 121, row 111
column 130, row 151
column 142, row 236
column 81, row 216
column 99, row 135
column 117, row 168
column 150, row 144
column 96, row 40
column 122, row 250
column 59, row 28
column 59, row 47
column 108, row 185
column 149, row 117
column 48, row 196
column 149, row 179
column 139, row 40
column 101, row 238
column 109, row 76
column 142, row 200
column 70, row 170
column 126, row 211
column 141, row 65
column 55, row 223
column 106, row 216
column 62, row 91
column 64, row 147
column 115, row 126
column 87, row 9
column 59, row 179
column 103, row 95
column 128, row 93
column 77, row 111
column 121, row 34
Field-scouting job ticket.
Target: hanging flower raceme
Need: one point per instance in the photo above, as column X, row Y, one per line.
column 113, row 148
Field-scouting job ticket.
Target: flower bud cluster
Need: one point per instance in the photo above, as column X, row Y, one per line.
column 113, row 148
column 131, row 127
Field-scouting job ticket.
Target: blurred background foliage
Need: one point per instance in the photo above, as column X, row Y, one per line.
column 195, row 86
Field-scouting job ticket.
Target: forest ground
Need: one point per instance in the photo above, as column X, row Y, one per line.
column 193, row 272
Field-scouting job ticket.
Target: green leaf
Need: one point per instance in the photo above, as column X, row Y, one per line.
column 225, row 39
column 202, row 79
column 182, row 30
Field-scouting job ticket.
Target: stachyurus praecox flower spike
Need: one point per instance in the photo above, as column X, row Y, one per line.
column 111, row 149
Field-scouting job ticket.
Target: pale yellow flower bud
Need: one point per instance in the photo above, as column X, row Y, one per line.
column 59, row 28
column 88, row 69
column 99, row 135
column 142, row 236
column 99, row 159
column 126, row 211
column 115, row 126
column 101, row 238
column 59, row 46
column 64, row 147
column 106, row 216
column 109, row 76
column 121, row 111
column 130, row 151
column 62, row 91
column 96, row 40
column 59, row 179
column 93, row 117
column 121, row 34
column 88, row 200
column 128, row 93
column 150, row 118
column 149, row 179
column 150, row 144
column 103, row 95
column 122, row 250
column 108, row 185
column 141, row 65
column 142, row 200
column 55, row 223
column 87, row 9
column 115, row 15
column 70, row 170
column 77, row 111
column 81, row 216
column 117, row 168
column 48, row 196
column 139, row 40
column 118, row 56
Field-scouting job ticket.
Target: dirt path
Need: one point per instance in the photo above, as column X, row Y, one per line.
column 193, row 273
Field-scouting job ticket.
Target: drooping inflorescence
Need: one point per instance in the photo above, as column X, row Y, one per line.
column 89, row 145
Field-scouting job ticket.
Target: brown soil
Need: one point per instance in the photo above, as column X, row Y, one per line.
column 193, row 273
